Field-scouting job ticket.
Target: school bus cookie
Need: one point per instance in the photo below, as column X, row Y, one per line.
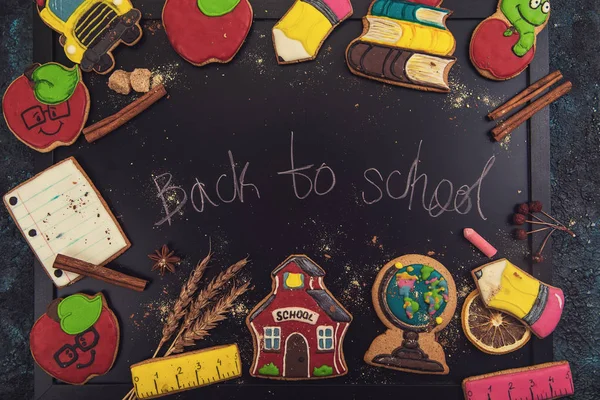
column 503, row 45
column 91, row 29
column 505, row 287
column 298, row 330
column 415, row 297
column 76, row 339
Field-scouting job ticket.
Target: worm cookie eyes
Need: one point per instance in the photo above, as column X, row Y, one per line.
column 535, row 3
column 546, row 8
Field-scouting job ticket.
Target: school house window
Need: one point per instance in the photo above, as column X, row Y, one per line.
column 272, row 338
column 325, row 338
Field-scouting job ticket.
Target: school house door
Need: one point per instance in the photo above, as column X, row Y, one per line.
column 296, row 357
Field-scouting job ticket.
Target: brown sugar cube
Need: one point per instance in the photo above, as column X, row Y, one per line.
column 119, row 82
column 140, row 80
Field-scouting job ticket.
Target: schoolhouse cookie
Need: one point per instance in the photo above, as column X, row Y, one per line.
column 506, row 287
column 207, row 31
column 298, row 330
column 415, row 297
column 47, row 106
column 299, row 35
column 76, row 339
column 91, row 29
column 503, row 45
column 404, row 44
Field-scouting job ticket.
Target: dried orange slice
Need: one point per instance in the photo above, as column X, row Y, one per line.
column 492, row 331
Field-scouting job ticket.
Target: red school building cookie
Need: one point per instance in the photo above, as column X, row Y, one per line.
column 299, row 329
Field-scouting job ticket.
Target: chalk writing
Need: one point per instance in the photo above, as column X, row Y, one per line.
column 459, row 202
column 312, row 184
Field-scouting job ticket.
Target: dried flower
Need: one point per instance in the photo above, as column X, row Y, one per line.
column 523, row 208
column 538, row 258
column 520, row 234
column 535, row 206
column 164, row 260
column 519, row 219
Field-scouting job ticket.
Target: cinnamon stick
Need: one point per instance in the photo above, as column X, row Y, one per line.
column 530, row 93
column 104, row 274
column 506, row 127
column 109, row 124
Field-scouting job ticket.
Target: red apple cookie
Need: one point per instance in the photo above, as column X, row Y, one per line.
column 77, row 339
column 207, row 31
column 47, row 106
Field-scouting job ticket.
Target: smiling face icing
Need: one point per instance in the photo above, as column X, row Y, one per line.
column 76, row 339
column 525, row 16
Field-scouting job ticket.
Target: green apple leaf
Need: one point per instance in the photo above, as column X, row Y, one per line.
column 216, row 8
column 54, row 83
column 78, row 313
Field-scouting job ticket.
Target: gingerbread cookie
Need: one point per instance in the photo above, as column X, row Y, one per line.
column 207, row 31
column 505, row 287
column 91, row 29
column 404, row 44
column 299, row 35
column 503, row 45
column 77, row 339
column 543, row 381
column 298, row 330
column 47, row 106
column 415, row 297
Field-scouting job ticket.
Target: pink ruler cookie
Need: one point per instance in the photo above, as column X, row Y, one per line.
column 543, row 381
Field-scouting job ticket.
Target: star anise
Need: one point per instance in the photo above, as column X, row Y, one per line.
column 164, row 260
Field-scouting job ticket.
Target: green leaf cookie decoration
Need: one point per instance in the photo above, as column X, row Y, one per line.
column 54, row 83
column 216, row 8
column 78, row 313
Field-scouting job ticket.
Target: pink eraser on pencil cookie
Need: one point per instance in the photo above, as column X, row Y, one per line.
column 476, row 240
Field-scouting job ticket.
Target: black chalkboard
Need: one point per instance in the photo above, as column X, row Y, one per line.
column 252, row 108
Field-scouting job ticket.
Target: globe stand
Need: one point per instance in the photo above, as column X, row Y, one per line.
column 409, row 356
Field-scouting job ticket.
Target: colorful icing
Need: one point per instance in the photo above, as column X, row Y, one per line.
column 216, row 8
column 411, row 12
column 53, row 83
column 75, row 358
column 45, row 126
column 298, row 36
column 505, row 287
column 525, row 16
column 409, row 292
column 78, row 312
column 544, row 381
column 201, row 39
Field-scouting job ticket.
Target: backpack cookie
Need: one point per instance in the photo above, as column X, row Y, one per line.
column 404, row 44
column 76, row 339
column 298, row 330
column 415, row 297
column 91, row 29
column 503, row 45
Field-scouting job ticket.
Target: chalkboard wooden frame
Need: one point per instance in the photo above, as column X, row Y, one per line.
column 45, row 48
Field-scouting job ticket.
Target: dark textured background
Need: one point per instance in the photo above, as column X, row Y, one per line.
column 575, row 130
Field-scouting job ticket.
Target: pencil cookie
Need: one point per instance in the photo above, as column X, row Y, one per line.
column 76, row 339
column 415, row 297
column 299, row 329
column 505, row 287
column 207, row 31
column 299, row 35
column 404, row 44
column 47, row 106
column 503, row 45
column 91, row 29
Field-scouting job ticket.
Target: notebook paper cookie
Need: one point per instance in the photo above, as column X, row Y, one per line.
column 59, row 211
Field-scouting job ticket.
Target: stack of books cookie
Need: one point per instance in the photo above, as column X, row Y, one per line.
column 406, row 44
